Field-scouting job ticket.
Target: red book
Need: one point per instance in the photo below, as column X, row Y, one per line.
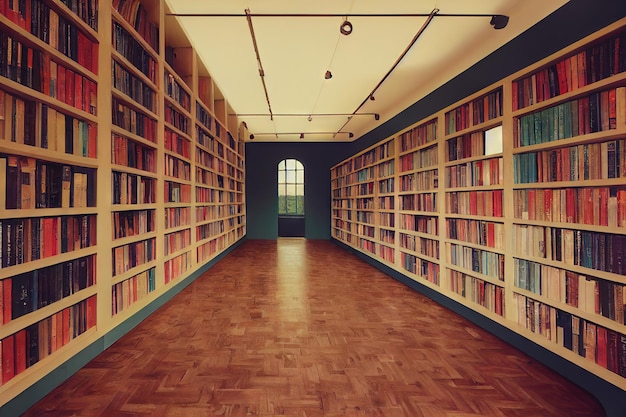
column 8, row 358
column 601, row 347
column 65, row 326
column 603, row 206
column 79, row 98
column 70, row 81
column 612, row 108
column 61, row 83
column 547, row 205
column 12, row 10
column 532, row 207
column 20, row 351
column 92, row 312
column 587, row 205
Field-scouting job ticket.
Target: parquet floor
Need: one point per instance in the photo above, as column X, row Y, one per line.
column 304, row 329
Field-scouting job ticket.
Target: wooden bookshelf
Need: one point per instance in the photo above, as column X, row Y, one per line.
column 98, row 159
column 515, row 203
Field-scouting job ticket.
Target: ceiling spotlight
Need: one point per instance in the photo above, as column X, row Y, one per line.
column 328, row 75
column 372, row 98
column 350, row 135
column 499, row 21
column 376, row 116
column 345, row 28
column 251, row 136
column 301, row 135
column 309, row 118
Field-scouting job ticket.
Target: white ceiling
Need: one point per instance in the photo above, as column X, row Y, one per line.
column 295, row 53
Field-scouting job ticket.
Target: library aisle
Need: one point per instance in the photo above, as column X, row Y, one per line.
column 303, row 328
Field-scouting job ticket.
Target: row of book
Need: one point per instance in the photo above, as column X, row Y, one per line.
column 25, row 240
column 132, row 154
column 385, row 169
column 600, row 206
column 206, row 213
column 36, row 17
column 594, row 63
column 477, row 291
column 173, row 242
column 386, row 150
column 365, row 159
column 367, row 245
column 593, row 113
column 177, row 92
column 419, row 202
column 132, row 189
column 478, row 232
column 178, row 168
column 605, row 347
column 133, row 121
column 418, row 136
column 131, row 255
column 386, row 220
column 125, row 44
column 475, row 203
column 477, row 260
column 421, row 245
column 365, row 217
column 386, row 186
column 27, row 292
column 210, row 161
column 209, row 195
column 204, row 118
column 210, row 230
column 475, row 173
column 422, row 224
column 176, row 143
column 28, row 346
column 209, row 178
column 479, row 110
column 387, row 253
column 594, row 250
column 386, row 202
column 587, row 293
column 592, row 161
column 423, row 158
column 176, row 267
column 131, row 85
column 36, row 70
column 86, row 10
column 176, row 192
column 137, row 15
column 175, row 118
column 420, row 181
column 30, row 183
column 423, row 268
column 468, row 145
column 181, row 216
column 126, row 293
column 133, row 223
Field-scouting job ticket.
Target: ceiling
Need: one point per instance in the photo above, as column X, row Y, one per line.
column 295, row 52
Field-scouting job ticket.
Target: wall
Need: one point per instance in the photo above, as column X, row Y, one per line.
column 262, row 185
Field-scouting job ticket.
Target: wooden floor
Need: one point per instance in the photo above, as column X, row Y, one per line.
column 303, row 328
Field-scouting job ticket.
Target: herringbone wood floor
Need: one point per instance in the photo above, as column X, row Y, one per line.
column 303, row 328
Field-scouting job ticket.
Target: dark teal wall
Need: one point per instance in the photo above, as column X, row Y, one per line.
column 262, row 185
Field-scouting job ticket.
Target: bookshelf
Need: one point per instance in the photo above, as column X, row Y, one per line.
column 510, row 202
column 98, row 175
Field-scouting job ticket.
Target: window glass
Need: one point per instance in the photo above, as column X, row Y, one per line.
column 290, row 187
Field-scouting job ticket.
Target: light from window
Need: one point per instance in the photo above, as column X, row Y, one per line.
column 291, row 187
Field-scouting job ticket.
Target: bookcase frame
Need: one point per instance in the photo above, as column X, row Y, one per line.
column 343, row 221
column 115, row 300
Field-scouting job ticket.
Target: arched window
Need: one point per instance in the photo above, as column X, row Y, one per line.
column 290, row 187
